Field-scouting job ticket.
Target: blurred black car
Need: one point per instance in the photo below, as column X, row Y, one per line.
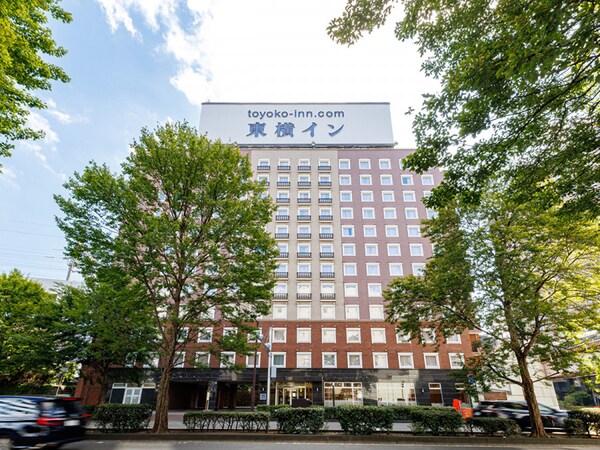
column 553, row 419
column 28, row 421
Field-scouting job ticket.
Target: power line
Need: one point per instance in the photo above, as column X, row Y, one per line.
column 33, row 234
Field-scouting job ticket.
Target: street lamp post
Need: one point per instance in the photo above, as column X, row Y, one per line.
column 261, row 338
column 268, row 346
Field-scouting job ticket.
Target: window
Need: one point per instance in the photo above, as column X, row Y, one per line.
column 205, row 335
column 183, row 334
column 453, row 339
column 352, row 312
column 403, row 338
column 431, row 360
column 387, row 196
column 283, row 179
column 344, row 163
column 349, row 250
column 380, row 360
column 389, row 213
column 303, row 248
column 282, row 229
column 371, row 250
column 411, row 213
column 405, row 361
column 263, row 179
column 428, row 336
column 324, row 163
column 378, row 335
column 303, row 229
column 279, row 311
column 409, row 196
column 283, row 195
column 418, row 269
column 391, row 230
column 348, row 230
column 327, row 268
column 325, row 195
column 457, row 360
column 304, row 195
column 354, row 360
column 278, row 359
column 376, row 312
column 303, row 360
column 368, row 213
column 393, row 249
column 369, row 231
column 326, row 248
column 304, row 163
column 264, row 163
column 373, row 269
column 407, row 180
column 435, row 394
column 345, row 180
column 416, row 249
column 179, row 360
column 330, row 360
column 350, row 269
column 304, row 212
column 252, row 336
column 350, row 290
column 395, row 269
column 352, row 335
column 325, row 229
column 386, row 180
column 279, row 335
column 431, row 214
column 229, row 331
column 282, row 212
column 347, row 213
column 304, row 288
column 366, row 196
column 327, row 288
column 327, row 311
column 413, row 230
column 374, row 289
column 304, row 268
column 364, row 164
column 303, row 335
column 283, row 162
column 385, row 164
column 250, row 360
column 328, row 335
column 303, row 311
column 283, row 248
column 427, row 180
column 227, row 359
column 366, row 180
column 203, row 359
column 345, row 196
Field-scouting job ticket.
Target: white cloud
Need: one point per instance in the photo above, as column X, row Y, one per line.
column 39, row 123
column 8, row 177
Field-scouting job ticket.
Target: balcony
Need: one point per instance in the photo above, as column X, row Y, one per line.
column 282, row 217
column 327, row 274
column 303, row 217
column 303, row 199
column 325, row 235
column 303, row 168
column 324, row 168
column 283, row 183
column 303, row 235
column 282, row 235
column 303, row 296
column 303, row 183
column 324, row 183
column 283, row 255
column 280, row 296
column 328, row 296
column 326, row 255
column 304, row 255
column 282, row 200
column 281, row 274
column 284, row 168
column 262, row 168
column 326, row 217
column 303, row 274
column 325, row 200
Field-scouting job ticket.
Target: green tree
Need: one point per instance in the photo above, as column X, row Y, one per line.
column 108, row 322
column 527, row 278
column 31, row 346
column 520, row 93
column 24, row 40
column 186, row 220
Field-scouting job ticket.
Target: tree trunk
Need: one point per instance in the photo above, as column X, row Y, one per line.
column 537, row 426
column 161, row 418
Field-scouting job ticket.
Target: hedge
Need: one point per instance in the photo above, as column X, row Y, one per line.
column 365, row 419
column 590, row 420
column 402, row 412
column 439, row 421
column 299, row 420
column 493, row 425
column 271, row 408
column 214, row 420
column 120, row 418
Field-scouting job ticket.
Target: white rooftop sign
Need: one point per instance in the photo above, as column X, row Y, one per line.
column 298, row 124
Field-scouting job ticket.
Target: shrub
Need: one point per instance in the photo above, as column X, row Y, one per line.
column 214, row 420
column 271, row 408
column 589, row 417
column 402, row 412
column 299, row 420
column 492, row 425
column 439, row 421
column 575, row 427
column 120, row 418
column 365, row 419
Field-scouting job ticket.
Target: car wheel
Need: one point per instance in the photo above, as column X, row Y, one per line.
column 6, row 443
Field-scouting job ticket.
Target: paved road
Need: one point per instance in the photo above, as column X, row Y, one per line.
column 188, row 445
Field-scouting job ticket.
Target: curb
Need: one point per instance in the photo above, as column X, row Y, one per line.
column 341, row 438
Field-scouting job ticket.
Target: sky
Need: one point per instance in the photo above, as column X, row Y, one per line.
column 140, row 63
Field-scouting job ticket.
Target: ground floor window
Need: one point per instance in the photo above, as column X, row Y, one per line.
column 132, row 396
column 295, row 394
column 342, row 393
column 435, row 392
column 396, row 394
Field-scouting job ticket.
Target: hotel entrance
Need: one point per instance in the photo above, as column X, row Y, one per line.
column 294, row 394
